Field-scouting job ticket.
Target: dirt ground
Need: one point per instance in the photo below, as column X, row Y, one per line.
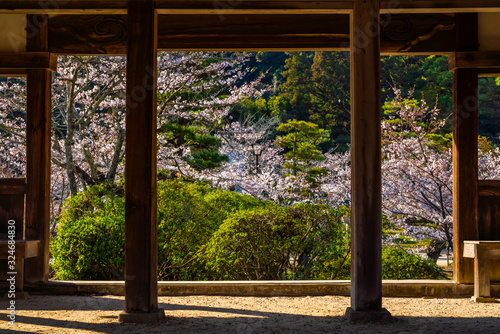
column 245, row 315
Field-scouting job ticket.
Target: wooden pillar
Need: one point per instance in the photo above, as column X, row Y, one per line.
column 465, row 145
column 366, row 175
column 38, row 131
column 141, row 287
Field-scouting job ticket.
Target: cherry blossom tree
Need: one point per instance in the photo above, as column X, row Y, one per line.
column 87, row 118
column 195, row 90
column 417, row 172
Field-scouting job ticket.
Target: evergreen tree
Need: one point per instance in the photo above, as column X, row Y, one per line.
column 301, row 144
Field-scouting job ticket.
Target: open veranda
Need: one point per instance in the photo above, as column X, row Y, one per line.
column 34, row 33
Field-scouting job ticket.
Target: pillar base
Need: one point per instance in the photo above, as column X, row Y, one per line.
column 483, row 299
column 381, row 315
column 142, row 318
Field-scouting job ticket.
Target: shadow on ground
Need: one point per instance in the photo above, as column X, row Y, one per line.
column 70, row 316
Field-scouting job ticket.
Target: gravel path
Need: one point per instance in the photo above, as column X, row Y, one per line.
column 245, row 315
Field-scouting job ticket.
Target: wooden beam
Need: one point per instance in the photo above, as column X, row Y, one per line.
column 489, row 187
column 28, row 60
column 476, row 60
column 9, row 73
column 366, row 176
column 439, row 6
column 256, row 32
column 488, row 73
column 63, row 7
column 38, row 131
column 141, row 290
column 465, row 156
column 107, row 34
column 218, row 7
column 221, row 7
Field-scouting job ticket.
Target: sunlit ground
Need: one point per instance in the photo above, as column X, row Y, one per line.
column 210, row 314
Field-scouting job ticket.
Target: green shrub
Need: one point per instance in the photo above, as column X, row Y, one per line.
column 211, row 234
column 91, row 248
column 398, row 263
column 188, row 215
column 276, row 242
column 95, row 201
column 90, row 236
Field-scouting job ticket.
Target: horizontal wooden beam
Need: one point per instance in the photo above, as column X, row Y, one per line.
column 475, row 60
column 488, row 73
column 221, row 7
column 179, row 7
column 64, row 7
column 439, row 6
column 253, row 7
column 9, row 73
column 489, row 187
column 27, row 60
column 253, row 32
column 107, row 34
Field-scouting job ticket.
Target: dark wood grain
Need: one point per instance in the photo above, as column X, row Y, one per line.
column 12, row 192
column 366, row 186
column 246, row 6
column 107, row 34
column 140, row 161
column 267, row 32
column 476, row 60
column 489, row 187
column 489, row 218
column 465, row 158
column 28, row 60
column 438, row 6
column 38, row 127
column 25, row 249
column 88, row 34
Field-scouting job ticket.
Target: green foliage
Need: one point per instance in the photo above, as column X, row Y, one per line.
column 398, row 263
column 301, row 142
column 188, row 215
column 211, row 234
column 314, row 87
column 204, row 147
column 90, row 248
column 427, row 77
column 489, row 104
column 90, row 236
column 96, row 201
column 254, row 109
column 279, row 242
column 440, row 142
column 317, row 90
